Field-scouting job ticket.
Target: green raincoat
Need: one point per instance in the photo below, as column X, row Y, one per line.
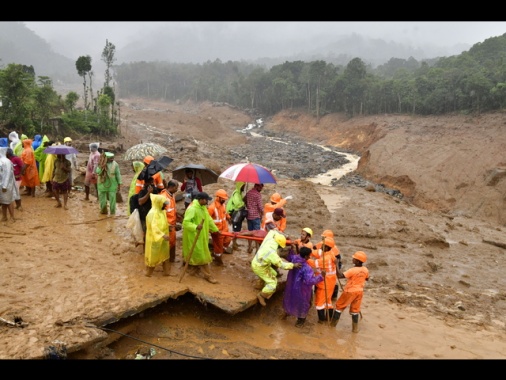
column 193, row 216
column 40, row 156
column 236, row 201
column 138, row 166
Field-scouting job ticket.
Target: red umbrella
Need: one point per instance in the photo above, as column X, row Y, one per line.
column 249, row 172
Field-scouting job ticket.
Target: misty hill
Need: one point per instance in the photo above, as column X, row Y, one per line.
column 209, row 42
column 18, row 44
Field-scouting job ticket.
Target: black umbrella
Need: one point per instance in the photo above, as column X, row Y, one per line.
column 154, row 167
column 206, row 175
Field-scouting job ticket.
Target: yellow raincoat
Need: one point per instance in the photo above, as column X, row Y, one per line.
column 265, row 257
column 156, row 248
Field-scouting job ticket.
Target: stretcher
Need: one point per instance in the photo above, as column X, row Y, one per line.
column 257, row 235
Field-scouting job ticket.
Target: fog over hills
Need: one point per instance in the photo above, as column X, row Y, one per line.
column 53, row 47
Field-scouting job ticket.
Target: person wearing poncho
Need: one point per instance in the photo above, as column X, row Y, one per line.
column 137, row 167
column 40, row 156
column 299, row 286
column 8, row 189
column 156, row 248
column 196, row 217
column 265, row 258
column 30, row 175
column 109, row 182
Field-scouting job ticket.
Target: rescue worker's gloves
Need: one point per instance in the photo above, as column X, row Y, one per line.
column 288, row 197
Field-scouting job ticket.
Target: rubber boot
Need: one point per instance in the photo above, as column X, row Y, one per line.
column 166, row 268
column 335, row 318
column 354, row 322
column 321, row 316
column 149, row 271
column 262, row 297
column 172, row 254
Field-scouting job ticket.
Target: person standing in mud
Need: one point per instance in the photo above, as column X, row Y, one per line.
column 217, row 211
column 109, row 182
column 324, row 289
column 91, row 177
column 30, row 175
column 353, row 291
column 156, row 249
column 255, row 210
column 169, row 191
column 61, row 180
column 197, row 224
column 8, row 191
column 236, row 208
column 17, row 165
column 299, row 286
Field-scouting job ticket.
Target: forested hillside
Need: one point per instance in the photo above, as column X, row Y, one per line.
column 471, row 82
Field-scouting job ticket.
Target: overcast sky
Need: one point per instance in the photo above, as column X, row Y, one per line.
column 67, row 37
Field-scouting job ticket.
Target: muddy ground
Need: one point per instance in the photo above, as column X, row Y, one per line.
column 436, row 255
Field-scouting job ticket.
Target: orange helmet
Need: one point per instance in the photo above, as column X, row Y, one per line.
column 328, row 233
column 148, row 159
column 276, row 197
column 221, row 193
column 329, row 242
column 360, row 256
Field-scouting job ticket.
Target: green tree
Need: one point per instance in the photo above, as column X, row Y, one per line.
column 109, row 59
column 16, row 85
column 83, row 66
column 71, row 100
column 46, row 101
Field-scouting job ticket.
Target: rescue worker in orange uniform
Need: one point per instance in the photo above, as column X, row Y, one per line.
column 219, row 214
column 275, row 202
column 353, row 290
column 335, row 251
column 157, row 177
column 324, row 289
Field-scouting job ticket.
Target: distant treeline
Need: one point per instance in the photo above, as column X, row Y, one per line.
column 472, row 82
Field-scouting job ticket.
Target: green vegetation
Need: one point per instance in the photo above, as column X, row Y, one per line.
column 471, row 82
column 31, row 106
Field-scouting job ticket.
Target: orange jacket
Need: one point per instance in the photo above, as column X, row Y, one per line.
column 270, row 207
column 280, row 224
column 300, row 244
column 317, row 252
column 170, row 209
column 157, row 180
column 219, row 214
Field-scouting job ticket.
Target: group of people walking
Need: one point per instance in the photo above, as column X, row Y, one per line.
column 26, row 166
